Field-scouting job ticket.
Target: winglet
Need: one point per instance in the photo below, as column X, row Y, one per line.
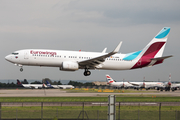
column 117, row 48
column 104, row 51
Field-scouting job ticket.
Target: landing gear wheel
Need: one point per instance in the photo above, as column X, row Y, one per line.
column 21, row 69
column 87, row 73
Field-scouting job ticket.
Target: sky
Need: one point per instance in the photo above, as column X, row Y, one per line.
column 88, row 25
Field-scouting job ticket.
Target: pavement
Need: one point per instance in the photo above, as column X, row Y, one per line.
column 63, row 93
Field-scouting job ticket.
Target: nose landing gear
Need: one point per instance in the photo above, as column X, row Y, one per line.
column 87, row 72
column 21, row 69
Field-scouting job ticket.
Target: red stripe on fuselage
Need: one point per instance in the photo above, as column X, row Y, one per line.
column 148, row 55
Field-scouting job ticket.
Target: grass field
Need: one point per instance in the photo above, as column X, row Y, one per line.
column 90, row 99
column 126, row 108
column 93, row 112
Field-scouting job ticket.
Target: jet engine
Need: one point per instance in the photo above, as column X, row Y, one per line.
column 69, row 66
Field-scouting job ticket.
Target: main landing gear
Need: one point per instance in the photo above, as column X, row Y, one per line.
column 21, row 69
column 87, row 72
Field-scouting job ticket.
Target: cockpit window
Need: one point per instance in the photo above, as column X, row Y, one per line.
column 15, row 53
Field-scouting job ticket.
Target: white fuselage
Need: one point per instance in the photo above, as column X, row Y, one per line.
column 36, row 86
column 121, row 84
column 150, row 55
column 137, row 84
column 55, row 58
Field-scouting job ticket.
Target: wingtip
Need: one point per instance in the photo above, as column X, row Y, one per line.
column 117, row 48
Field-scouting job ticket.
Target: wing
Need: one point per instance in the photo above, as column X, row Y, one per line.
column 94, row 62
column 133, row 84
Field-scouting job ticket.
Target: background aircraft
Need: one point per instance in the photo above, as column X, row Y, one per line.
column 59, row 86
column 169, row 85
column 112, row 82
column 32, row 86
column 135, row 85
column 73, row 60
column 146, row 85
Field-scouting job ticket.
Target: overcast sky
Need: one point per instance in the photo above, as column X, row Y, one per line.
column 89, row 25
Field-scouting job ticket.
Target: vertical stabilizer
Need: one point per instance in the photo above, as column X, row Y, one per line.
column 19, row 83
column 109, row 79
column 153, row 50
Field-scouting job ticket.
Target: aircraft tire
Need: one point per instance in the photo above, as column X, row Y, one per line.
column 87, row 73
column 21, row 69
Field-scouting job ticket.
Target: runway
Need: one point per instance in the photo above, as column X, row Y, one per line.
column 63, row 93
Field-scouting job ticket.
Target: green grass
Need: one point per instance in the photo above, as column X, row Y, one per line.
column 72, row 112
column 125, row 108
column 90, row 99
column 68, row 112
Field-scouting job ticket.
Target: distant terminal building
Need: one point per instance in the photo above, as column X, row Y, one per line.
column 99, row 83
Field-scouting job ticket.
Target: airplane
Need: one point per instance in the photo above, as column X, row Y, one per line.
column 135, row 85
column 50, row 86
column 59, row 86
column 112, row 82
column 74, row 60
column 65, row 86
column 169, row 85
column 32, row 86
column 146, row 85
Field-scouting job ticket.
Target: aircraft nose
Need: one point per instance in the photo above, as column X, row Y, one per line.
column 8, row 57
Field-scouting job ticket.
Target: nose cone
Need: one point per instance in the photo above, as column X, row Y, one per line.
column 8, row 57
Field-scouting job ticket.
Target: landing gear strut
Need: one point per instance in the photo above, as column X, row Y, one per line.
column 87, row 72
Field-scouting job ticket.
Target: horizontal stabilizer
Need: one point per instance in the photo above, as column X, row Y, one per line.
column 162, row 58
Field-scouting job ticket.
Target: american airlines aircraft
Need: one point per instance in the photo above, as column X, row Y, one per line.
column 74, row 60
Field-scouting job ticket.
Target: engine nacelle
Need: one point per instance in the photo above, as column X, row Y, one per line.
column 69, row 66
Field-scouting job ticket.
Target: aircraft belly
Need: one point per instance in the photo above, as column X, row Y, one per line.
column 118, row 65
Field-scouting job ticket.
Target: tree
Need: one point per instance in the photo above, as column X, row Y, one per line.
column 75, row 83
column 88, row 84
column 36, row 82
column 24, row 82
column 59, row 82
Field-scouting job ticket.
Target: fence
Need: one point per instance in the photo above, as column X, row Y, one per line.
column 38, row 111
